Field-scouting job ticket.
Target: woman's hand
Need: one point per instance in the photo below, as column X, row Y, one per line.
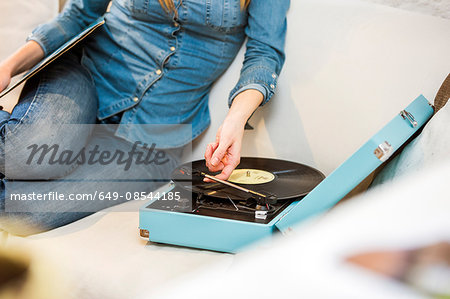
column 225, row 153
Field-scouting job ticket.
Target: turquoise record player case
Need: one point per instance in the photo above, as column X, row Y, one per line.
column 230, row 235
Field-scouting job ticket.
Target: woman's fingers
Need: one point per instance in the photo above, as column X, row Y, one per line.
column 210, row 148
column 218, row 167
column 231, row 161
column 226, row 172
column 219, row 153
column 224, row 154
column 208, row 153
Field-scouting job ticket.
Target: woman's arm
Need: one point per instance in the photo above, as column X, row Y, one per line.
column 46, row 38
column 23, row 59
column 265, row 55
column 225, row 153
column 264, row 58
column 75, row 17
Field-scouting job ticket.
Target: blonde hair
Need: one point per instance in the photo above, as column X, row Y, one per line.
column 169, row 6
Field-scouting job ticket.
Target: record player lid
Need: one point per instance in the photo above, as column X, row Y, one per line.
column 360, row 165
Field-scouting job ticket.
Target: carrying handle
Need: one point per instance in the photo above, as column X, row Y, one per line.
column 443, row 95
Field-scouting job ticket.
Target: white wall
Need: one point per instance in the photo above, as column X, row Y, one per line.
column 351, row 67
column 440, row 8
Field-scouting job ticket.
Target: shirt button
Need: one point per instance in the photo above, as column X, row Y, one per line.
column 272, row 86
column 135, row 99
column 158, row 72
column 172, row 49
column 274, row 76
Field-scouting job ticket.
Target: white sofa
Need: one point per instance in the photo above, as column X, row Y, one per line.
column 351, row 66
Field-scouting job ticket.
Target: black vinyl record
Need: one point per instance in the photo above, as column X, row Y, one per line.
column 284, row 179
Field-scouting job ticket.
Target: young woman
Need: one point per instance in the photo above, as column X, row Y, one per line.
column 152, row 62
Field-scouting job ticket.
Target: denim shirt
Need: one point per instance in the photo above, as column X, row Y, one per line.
column 158, row 68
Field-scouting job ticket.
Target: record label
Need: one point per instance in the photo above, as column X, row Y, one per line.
column 251, row 176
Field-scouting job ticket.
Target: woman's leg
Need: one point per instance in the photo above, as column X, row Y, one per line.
column 97, row 186
column 61, row 94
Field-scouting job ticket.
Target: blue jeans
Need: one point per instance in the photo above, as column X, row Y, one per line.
column 63, row 94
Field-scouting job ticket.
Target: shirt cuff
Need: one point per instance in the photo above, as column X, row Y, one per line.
column 255, row 86
column 50, row 36
column 261, row 78
column 41, row 40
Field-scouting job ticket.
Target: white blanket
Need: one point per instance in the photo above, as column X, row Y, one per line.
column 411, row 213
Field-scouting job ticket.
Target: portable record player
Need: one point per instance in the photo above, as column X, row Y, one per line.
column 264, row 195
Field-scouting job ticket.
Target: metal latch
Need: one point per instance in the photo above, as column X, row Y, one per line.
column 144, row 233
column 384, row 151
column 406, row 115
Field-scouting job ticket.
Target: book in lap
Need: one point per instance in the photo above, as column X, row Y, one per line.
column 57, row 53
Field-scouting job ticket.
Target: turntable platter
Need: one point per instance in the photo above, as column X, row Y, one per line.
column 284, row 179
